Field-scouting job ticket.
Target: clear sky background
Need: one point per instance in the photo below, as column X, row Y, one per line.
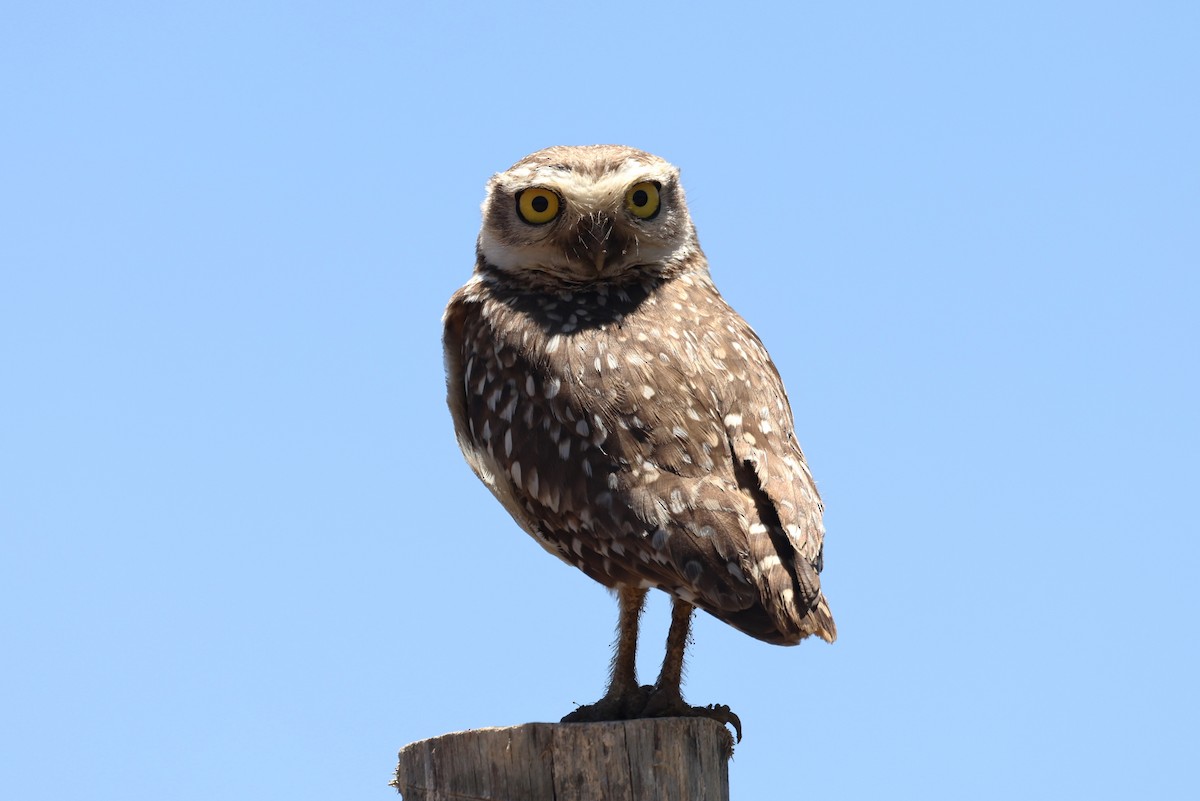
column 242, row 557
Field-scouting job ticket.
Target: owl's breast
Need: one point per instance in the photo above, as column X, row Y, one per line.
column 600, row 421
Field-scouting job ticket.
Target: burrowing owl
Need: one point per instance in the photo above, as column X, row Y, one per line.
column 626, row 416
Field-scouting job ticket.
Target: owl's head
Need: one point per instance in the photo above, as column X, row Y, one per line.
column 578, row 216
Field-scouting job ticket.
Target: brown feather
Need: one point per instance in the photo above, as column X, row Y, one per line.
column 628, row 418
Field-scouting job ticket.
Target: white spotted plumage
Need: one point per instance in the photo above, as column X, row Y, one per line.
column 622, row 412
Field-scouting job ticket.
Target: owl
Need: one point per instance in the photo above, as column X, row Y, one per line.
column 627, row 417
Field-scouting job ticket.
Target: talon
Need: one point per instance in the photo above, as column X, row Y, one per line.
column 666, row 705
column 725, row 715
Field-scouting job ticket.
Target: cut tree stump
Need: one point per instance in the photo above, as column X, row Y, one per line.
column 683, row 759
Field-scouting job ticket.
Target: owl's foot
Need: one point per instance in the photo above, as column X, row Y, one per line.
column 626, row 706
column 667, row 704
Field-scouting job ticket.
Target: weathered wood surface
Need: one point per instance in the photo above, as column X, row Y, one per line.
column 682, row 759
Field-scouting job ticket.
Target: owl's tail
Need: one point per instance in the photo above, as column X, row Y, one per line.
column 789, row 589
column 819, row 621
column 779, row 625
column 790, row 605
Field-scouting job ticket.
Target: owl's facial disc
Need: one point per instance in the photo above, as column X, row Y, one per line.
column 580, row 216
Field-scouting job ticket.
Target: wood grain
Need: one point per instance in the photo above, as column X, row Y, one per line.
column 683, row 759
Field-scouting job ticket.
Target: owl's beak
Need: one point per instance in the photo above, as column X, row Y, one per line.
column 598, row 258
column 595, row 234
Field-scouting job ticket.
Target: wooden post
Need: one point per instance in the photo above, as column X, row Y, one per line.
column 635, row 760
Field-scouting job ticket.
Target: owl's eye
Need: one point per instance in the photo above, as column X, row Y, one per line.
column 642, row 199
column 537, row 206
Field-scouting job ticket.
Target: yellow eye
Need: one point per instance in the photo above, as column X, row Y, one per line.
column 537, row 205
column 642, row 199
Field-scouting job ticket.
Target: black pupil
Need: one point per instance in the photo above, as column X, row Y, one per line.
column 640, row 198
column 540, row 204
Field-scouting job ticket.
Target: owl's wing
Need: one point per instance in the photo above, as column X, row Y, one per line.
column 455, row 354
column 712, row 468
column 482, row 396
column 771, row 468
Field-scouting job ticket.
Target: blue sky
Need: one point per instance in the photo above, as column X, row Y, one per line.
column 241, row 556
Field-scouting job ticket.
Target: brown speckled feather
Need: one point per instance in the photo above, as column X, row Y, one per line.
column 639, row 431
column 624, row 414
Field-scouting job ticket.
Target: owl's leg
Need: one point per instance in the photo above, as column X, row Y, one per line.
column 624, row 699
column 670, row 677
column 666, row 700
column 624, row 665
